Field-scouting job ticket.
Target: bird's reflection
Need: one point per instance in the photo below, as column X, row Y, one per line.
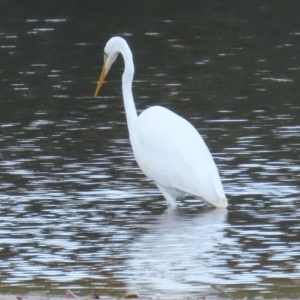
column 178, row 251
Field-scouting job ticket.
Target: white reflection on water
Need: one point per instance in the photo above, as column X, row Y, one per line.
column 178, row 253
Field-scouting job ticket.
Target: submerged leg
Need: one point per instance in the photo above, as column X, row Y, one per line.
column 169, row 196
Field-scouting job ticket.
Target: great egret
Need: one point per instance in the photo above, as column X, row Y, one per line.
column 167, row 148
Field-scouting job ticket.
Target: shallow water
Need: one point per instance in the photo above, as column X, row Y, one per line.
column 76, row 212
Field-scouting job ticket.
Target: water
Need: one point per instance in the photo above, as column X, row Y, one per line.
column 76, row 212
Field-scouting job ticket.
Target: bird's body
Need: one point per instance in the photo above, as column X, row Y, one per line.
column 167, row 148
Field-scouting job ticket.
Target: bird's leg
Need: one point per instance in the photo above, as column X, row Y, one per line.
column 171, row 199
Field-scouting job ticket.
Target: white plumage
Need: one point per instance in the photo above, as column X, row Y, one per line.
column 167, row 148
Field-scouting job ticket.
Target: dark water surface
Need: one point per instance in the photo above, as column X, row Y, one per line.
column 76, row 212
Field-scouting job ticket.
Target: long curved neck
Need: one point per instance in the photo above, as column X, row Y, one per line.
column 127, row 78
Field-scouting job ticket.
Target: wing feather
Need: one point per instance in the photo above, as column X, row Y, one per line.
column 170, row 151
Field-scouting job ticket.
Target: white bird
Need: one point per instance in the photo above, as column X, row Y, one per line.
column 167, row 148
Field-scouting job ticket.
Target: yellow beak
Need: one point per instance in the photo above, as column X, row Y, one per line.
column 102, row 77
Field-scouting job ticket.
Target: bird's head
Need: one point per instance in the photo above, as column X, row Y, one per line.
column 111, row 52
